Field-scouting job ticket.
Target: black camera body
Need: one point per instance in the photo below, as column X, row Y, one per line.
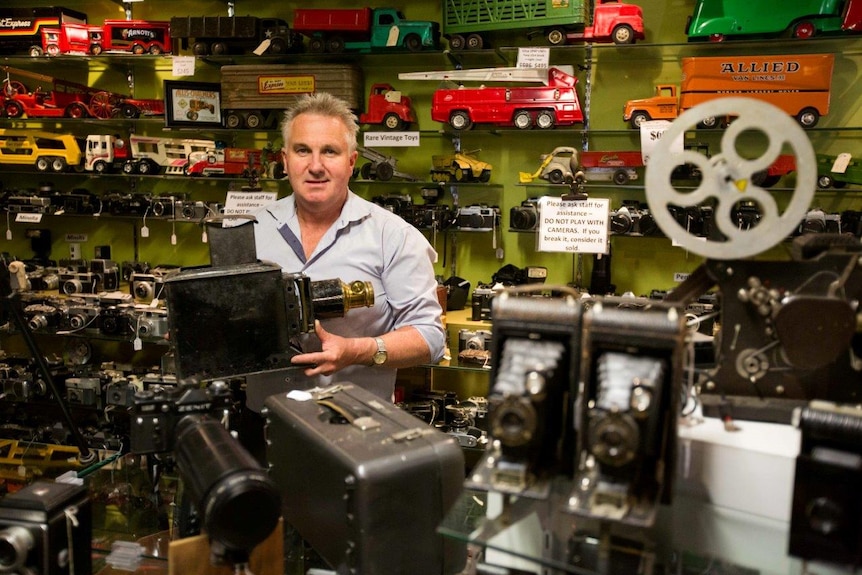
column 38, row 537
column 526, row 216
column 116, row 320
column 433, row 216
column 398, row 204
column 633, row 218
column 478, row 217
column 480, row 303
column 120, row 204
column 816, row 221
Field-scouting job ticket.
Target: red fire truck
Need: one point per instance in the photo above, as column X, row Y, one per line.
column 555, row 103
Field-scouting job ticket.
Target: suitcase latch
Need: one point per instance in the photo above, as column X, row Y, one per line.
column 410, row 434
column 365, row 423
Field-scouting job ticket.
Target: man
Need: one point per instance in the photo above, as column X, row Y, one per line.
column 326, row 231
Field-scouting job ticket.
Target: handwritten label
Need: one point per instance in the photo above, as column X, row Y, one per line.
column 238, row 203
column 573, row 226
column 392, row 139
column 183, row 66
column 533, row 57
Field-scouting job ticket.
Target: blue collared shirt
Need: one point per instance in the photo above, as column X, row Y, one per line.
column 367, row 243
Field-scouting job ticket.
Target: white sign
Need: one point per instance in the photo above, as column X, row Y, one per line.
column 574, row 226
column 183, row 66
column 651, row 133
column 393, row 139
column 238, row 203
column 28, row 218
column 533, row 57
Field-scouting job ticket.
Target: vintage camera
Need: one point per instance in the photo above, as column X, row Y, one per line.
column 44, row 279
column 633, row 218
column 432, row 216
column 626, row 412
column 120, row 204
column 478, row 217
column 746, row 215
column 37, row 533
column 116, row 320
column 827, row 503
column 28, row 204
column 23, row 388
column 127, row 268
column 533, row 383
column 151, row 322
column 399, row 204
column 526, row 216
column 80, row 316
column 851, row 222
column 474, row 339
column 44, row 316
column 78, row 201
column 816, row 221
column 696, row 220
column 79, row 283
column 480, row 303
column 120, row 392
column 84, row 391
column 145, row 287
column 167, row 206
column 191, row 210
column 108, row 273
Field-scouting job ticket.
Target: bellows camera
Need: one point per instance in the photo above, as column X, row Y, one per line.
column 46, row 528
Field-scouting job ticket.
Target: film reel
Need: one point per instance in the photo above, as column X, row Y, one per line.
column 727, row 179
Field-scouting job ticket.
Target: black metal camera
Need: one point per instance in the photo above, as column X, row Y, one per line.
column 46, row 528
column 632, row 218
column 478, row 217
column 526, row 216
column 480, row 303
column 432, row 216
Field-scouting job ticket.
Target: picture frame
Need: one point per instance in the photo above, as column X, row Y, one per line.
column 192, row 104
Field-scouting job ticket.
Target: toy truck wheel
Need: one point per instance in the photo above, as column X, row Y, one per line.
column 365, row 171
column 335, row 45
column 129, row 111
column 146, row 167
column 52, row 49
column 555, row 176
column 384, row 172
column 156, row 49
column 638, row 118
column 413, row 43
column 35, row 51
column 277, row 46
column 317, row 46
column 621, row 177
column 233, row 120
column 522, row 120
column 96, row 49
column 13, row 109
column 254, row 120
column 460, row 120
column 824, row 182
column 463, row 174
column 130, row 167
column 545, row 120
column 100, row 167
column 200, row 49
column 138, row 49
column 391, row 121
column 58, row 165
column 556, row 37
column 623, row 34
column 485, row 176
column 457, row 42
column 708, row 123
column 475, row 42
column 76, row 110
column 808, row 118
column 43, row 164
column 220, row 48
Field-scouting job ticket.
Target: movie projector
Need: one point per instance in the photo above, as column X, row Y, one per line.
column 584, row 399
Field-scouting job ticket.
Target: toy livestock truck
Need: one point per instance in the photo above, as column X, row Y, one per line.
column 363, row 30
column 466, row 22
column 799, row 84
column 716, row 21
column 219, row 35
column 555, row 103
column 21, row 28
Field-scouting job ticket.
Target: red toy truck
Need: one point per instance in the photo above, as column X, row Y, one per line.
column 554, row 104
column 136, row 36
column 245, row 162
column 72, row 39
column 363, row 30
column 387, row 106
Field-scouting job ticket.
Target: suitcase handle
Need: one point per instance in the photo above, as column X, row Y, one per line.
column 361, row 421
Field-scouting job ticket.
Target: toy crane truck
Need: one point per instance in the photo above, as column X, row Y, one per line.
column 467, row 22
column 220, row 35
column 254, row 96
column 363, row 30
column 799, row 84
column 555, row 103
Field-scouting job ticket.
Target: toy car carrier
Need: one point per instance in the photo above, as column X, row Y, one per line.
column 799, row 84
column 467, row 22
column 363, row 30
column 219, row 35
column 253, row 96
column 42, row 150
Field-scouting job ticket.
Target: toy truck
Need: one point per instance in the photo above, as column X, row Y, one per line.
column 467, row 22
column 460, row 167
column 136, row 36
column 151, row 155
column 363, row 30
column 254, row 96
column 799, row 84
column 566, row 165
column 220, row 35
column 832, row 173
column 238, row 162
column 71, row 39
column 715, row 21
column 42, row 150
column 389, row 107
column 104, row 153
column 21, row 28
column 555, row 103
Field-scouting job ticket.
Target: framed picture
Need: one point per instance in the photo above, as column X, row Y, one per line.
column 192, row 104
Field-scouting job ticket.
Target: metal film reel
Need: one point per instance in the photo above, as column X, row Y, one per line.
column 727, row 178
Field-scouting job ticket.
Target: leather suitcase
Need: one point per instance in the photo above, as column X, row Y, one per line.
column 365, row 483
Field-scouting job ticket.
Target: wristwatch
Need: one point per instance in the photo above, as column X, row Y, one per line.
column 379, row 357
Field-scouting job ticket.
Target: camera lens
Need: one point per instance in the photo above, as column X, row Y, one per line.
column 72, row 287
column 38, row 322
column 15, row 544
column 143, row 290
column 514, row 421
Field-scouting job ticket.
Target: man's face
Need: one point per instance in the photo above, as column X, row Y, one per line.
column 318, row 161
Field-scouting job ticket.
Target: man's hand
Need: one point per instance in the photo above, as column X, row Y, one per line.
column 336, row 353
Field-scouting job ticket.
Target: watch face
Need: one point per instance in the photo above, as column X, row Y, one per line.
column 379, row 357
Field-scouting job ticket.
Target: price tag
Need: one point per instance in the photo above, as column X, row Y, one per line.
column 533, row 57
column 651, row 132
column 183, row 65
column 839, row 166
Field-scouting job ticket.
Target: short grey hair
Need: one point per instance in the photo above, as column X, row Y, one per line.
column 322, row 104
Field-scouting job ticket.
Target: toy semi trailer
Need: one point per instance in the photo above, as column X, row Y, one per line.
column 466, row 22
column 253, row 96
column 799, row 84
column 363, row 30
column 221, row 35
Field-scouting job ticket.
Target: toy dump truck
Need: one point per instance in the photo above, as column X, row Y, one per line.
column 363, row 30
column 799, row 84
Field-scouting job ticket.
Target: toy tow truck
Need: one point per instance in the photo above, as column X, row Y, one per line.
column 381, row 167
